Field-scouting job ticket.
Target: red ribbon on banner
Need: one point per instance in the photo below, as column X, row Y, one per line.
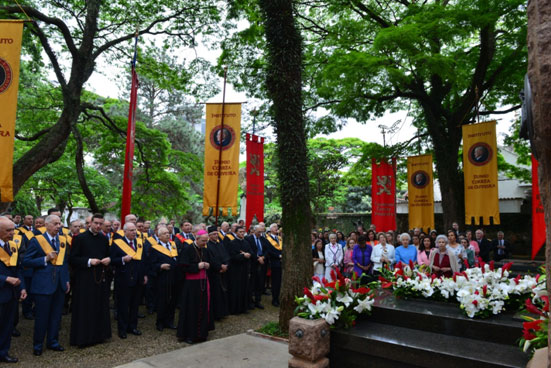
column 255, row 179
column 383, row 195
column 538, row 218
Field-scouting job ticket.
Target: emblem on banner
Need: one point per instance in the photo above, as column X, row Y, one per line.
column 255, row 164
column 224, row 137
column 6, row 75
column 480, row 154
column 383, row 184
column 420, row 179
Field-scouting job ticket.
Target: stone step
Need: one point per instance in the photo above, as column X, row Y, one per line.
column 371, row 344
column 446, row 318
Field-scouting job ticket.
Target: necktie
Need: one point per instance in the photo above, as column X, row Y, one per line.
column 259, row 247
column 132, row 244
column 7, row 249
column 54, row 244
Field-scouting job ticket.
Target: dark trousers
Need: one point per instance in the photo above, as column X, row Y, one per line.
column 7, row 313
column 128, row 301
column 276, row 283
column 166, row 301
column 259, row 281
column 27, row 304
column 49, row 309
column 151, row 292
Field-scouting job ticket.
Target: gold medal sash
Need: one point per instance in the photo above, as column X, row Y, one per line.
column 47, row 249
column 5, row 257
column 277, row 245
column 173, row 253
column 136, row 255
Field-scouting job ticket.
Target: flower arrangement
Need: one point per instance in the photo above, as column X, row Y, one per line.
column 480, row 291
column 535, row 329
column 338, row 302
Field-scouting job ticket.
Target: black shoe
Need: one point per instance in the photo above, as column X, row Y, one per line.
column 172, row 326
column 259, row 306
column 15, row 333
column 275, row 304
column 37, row 352
column 187, row 341
column 141, row 315
column 159, row 328
column 122, row 335
column 8, row 359
column 56, row 348
column 28, row 316
column 136, row 332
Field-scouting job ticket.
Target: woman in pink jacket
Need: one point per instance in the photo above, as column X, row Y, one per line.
column 425, row 249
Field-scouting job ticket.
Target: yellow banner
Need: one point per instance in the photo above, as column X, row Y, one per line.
column 480, row 167
column 222, row 154
column 11, row 32
column 420, row 192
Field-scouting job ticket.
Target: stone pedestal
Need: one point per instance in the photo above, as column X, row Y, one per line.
column 308, row 343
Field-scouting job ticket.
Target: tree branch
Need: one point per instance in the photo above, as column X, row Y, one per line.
column 34, row 137
column 516, row 107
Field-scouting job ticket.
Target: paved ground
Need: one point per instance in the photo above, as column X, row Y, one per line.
column 116, row 351
column 231, row 352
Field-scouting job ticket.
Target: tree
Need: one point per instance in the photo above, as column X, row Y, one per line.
column 284, row 86
column 449, row 62
column 85, row 32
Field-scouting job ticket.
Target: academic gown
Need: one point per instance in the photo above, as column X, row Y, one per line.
column 194, row 321
column 238, row 277
column 218, row 281
column 90, row 320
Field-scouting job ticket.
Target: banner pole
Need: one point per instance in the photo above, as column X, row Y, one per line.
column 130, row 138
column 220, row 148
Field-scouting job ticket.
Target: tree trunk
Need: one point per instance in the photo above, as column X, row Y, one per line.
column 284, row 85
column 79, row 163
column 539, row 58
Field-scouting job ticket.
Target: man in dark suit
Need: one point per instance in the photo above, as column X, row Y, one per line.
column 175, row 230
column 259, row 264
column 47, row 254
column 12, row 287
column 130, row 277
column 274, row 252
column 484, row 245
column 501, row 247
column 164, row 261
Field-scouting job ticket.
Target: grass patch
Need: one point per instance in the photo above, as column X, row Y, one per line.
column 273, row 329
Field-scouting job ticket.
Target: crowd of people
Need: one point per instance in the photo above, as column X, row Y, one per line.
column 205, row 273
column 365, row 252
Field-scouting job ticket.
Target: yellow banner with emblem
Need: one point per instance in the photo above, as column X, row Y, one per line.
column 480, row 168
column 221, row 159
column 420, row 192
column 11, row 32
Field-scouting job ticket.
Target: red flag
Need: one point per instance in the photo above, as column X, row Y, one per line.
column 130, row 133
column 383, row 195
column 538, row 219
column 255, row 179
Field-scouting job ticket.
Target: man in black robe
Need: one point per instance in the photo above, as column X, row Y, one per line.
column 163, row 260
column 90, row 322
column 238, row 274
column 218, row 275
column 127, row 255
column 194, row 321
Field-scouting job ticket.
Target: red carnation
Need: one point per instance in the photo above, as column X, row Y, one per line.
column 532, row 308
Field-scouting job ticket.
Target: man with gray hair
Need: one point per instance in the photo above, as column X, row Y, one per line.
column 501, row 247
column 127, row 254
column 274, row 251
column 12, row 287
column 48, row 255
column 259, row 265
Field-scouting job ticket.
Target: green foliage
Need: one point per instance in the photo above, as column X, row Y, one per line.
column 273, row 329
